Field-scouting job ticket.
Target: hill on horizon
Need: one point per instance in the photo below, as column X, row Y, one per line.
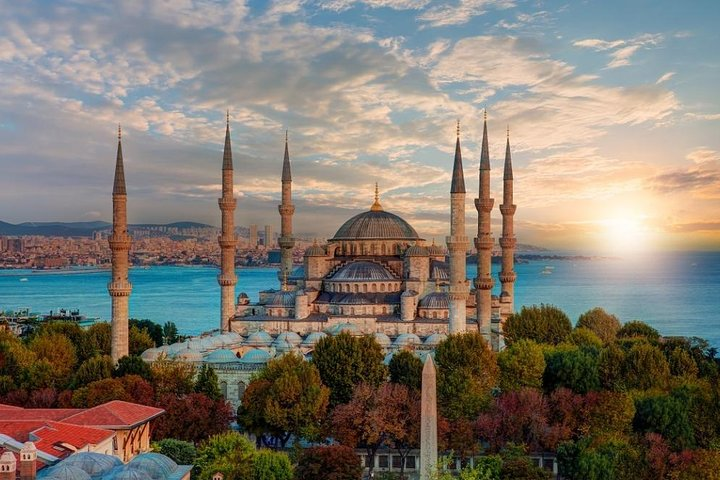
column 78, row 229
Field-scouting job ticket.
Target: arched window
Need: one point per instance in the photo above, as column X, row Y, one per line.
column 382, row 287
column 223, row 389
column 384, row 310
column 356, row 288
column 382, row 249
column 364, row 287
column 434, row 314
column 374, row 288
column 352, row 310
column 241, row 390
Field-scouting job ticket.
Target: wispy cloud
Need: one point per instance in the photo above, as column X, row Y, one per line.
column 621, row 51
column 461, row 11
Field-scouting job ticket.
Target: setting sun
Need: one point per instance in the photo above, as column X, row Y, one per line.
column 626, row 234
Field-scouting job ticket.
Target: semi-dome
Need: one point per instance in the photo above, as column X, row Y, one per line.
column 259, row 339
column 151, row 354
column 255, row 356
column 436, row 250
column 189, row 355
column 435, row 300
column 315, row 251
column 376, row 224
column 283, row 298
column 362, row 270
column 416, row 251
column 222, row 355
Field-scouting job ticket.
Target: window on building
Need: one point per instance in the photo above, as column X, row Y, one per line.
column 382, row 461
column 410, row 462
column 397, row 462
column 241, row 390
column 223, row 389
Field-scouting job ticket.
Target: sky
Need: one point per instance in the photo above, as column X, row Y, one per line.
column 613, row 110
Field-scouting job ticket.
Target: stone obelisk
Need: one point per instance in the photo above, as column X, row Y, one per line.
column 428, row 421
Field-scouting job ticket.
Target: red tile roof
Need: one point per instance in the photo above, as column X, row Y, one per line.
column 55, row 438
column 116, row 415
column 56, row 414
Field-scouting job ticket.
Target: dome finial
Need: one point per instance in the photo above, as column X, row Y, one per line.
column 376, row 207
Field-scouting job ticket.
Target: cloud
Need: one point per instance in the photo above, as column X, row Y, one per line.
column 342, row 5
column 694, row 227
column 461, row 12
column 665, row 77
column 621, row 51
column 701, row 179
column 703, row 116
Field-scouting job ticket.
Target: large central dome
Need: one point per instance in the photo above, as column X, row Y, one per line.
column 376, row 224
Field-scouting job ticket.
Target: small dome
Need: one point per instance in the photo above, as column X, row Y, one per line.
column 231, row 339
column 291, row 337
column 434, row 339
column 315, row 251
column 416, row 251
column 350, row 328
column 312, row 339
column 255, row 356
column 175, row 348
column 436, row 250
column 155, row 465
column 407, row 339
column 435, row 300
column 283, row 298
column 129, row 473
column 376, row 224
column 222, row 355
column 151, row 354
column 63, row 471
column 196, row 344
column 94, row 464
column 382, row 339
column 189, row 355
column 362, row 270
column 259, row 338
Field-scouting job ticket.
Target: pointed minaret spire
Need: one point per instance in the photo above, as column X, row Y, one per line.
column 484, row 240
column 457, row 244
column 458, row 180
column 119, row 183
column 120, row 242
column 376, row 206
column 286, row 209
column 507, row 240
column 227, row 240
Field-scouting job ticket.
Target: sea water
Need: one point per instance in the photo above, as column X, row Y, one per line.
column 678, row 294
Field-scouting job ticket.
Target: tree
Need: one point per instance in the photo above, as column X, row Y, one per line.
column 610, row 367
column 519, row 416
column 668, row 415
column 603, row 324
column 585, row 338
column 270, row 465
column 373, row 416
column 571, row 367
column 645, row 367
column 82, row 345
column 516, row 465
column 406, row 369
column 170, row 333
column 99, row 392
column 345, row 361
column 192, row 417
column 521, row 365
column 467, row 373
column 154, row 331
column 608, row 415
column 140, row 341
column 99, row 335
column 172, row 377
column 285, row 399
column 59, row 352
column 682, row 364
column 207, row 383
column 93, row 369
column 133, row 365
column 139, row 389
column 179, row 451
column 638, row 329
column 543, row 324
column 334, row 462
column 613, row 460
column 229, row 453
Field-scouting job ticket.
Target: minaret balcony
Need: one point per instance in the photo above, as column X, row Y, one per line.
column 508, row 209
column 120, row 241
column 286, row 209
column 484, row 204
column 119, row 288
column 227, row 242
column 458, row 292
column 457, row 243
column 228, row 203
column 507, row 277
column 485, row 242
column 286, row 242
column 486, row 283
column 508, row 242
column 227, row 279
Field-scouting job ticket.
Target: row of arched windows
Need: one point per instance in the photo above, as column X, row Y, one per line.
column 336, row 287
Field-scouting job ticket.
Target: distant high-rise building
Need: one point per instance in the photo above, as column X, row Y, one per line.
column 253, row 236
column 269, row 240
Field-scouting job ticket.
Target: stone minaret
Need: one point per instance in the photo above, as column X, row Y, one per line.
column 119, row 286
column 508, row 241
column 484, row 240
column 227, row 240
column 457, row 244
column 286, row 208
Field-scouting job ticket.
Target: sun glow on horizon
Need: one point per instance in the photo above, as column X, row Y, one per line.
column 626, row 234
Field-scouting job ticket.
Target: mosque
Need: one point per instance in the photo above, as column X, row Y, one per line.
column 375, row 276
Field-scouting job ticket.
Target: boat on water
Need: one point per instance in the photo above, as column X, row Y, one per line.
column 68, row 315
column 24, row 279
column 548, row 270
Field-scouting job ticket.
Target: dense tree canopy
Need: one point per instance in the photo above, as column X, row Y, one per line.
column 521, row 365
column 543, row 324
column 334, row 462
column 406, row 369
column 601, row 323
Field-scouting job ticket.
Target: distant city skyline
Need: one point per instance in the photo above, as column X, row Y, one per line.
column 612, row 108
